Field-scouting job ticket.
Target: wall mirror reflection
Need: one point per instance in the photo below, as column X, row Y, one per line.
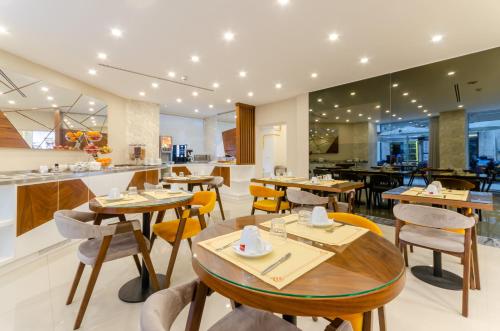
column 226, row 135
column 39, row 115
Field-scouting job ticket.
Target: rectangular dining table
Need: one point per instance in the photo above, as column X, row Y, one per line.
column 299, row 183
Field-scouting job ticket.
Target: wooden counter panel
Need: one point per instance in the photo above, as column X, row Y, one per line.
column 224, row 172
column 36, row 205
column 73, row 193
column 9, row 136
column 152, row 176
column 183, row 169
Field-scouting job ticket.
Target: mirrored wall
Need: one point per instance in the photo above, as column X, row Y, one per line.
column 39, row 115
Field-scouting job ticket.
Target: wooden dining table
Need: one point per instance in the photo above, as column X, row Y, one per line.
column 139, row 289
column 362, row 276
column 190, row 180
column 299, row 183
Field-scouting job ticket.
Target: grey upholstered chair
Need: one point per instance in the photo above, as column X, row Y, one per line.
column 215, row 184
column 435, row 229
column 162, row 308
column 105, row 243
column 305, row 200
column 345, row 207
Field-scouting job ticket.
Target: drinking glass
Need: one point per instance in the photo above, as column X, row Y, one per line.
column 181, row 174
column 278, row 229
column 304, row 217
column 132, row 190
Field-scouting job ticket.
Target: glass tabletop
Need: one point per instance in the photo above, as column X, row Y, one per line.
column 150, row 201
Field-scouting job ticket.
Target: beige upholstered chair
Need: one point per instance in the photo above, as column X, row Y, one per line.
column 345, row 207
column 433, row 228
column 105, row 243
column 162, row 308
column 305, row 200
column 215, row 184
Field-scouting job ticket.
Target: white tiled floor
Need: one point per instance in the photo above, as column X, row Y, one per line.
column 32, row 296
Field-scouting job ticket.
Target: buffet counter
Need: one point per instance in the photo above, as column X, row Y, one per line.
column 29, row 199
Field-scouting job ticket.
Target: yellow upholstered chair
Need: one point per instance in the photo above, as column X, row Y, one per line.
column 187, row 226
column 362, row 222
column 272, row 200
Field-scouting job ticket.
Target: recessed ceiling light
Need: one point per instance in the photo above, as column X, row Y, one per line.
column 430, row 114
column 91, row 109
column 387, row 111
column 4, row 30
column 451, row 73
column 353, row 93
column 44, row 89
column 324, row 114
column 196, row 110
column 348, row 110
column 316, row 120
column 376, row 121
column 11, row 102
column 250, row 94
column 278, row 85
column 369, row 118
column 363, row 60
column 92, row 72
column 419, row 106
column 333, row 36
column 377, row 107
column 413, row 100
column 142, row 94
column 171, row 74
column 210, row 106
column 179, row 100
column 194, row 94
column 425, row 110
column 400, row 118
column 437, row 38
column 92, row 117
column 310, row 110
column 320, row 100
column 347, row 120
column 243, row 74
column 195, row 58
column 91, row 103
column 395, row 85
column 115, row 32
column 283, row 2
column 393, row 115
column 154, row 85
column 228, row 100
column 460, row 106
column 360, row 115
column 314, row 75
column 336, row 106
column 102, row 56
column 336, row 117
column 228, row 36
column 50, row 98
column 54, row 105
column 215, row 85
column 405, row 94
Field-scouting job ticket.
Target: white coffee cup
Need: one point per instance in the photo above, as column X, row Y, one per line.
column 432, row 189
column 314, row 180
column 114, row 193
column 319, row 216
column 250, row 238
column 328, row 176
column 43, row 169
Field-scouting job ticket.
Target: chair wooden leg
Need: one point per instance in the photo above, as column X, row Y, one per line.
column 106, row 241
column 196, row 308
column 190, row 243
column 147, row 259
column 253, row 211
column 175, row 250
column 137, row 263
column 381, row 319
column 367, row 321
column 219, row 200
column 411, row 248
column 76, row 281
column 475, row 259
column 405, row 253
column 466, row 275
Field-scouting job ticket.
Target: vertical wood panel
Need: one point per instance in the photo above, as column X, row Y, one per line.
column 36, row 205
column 9, row 137
column 73, row 193
column 245, row 134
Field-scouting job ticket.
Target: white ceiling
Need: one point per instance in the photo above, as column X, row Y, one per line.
column 272, row 43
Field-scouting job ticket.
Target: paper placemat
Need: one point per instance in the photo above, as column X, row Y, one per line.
column 166, row 194
column 324, row 183
column 303, row 259
column 445, row 194
column 342, row 235
column 130, row 199
column 283, row 179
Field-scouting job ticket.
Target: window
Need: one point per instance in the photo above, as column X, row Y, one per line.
column 484, row 139
column 403, row 142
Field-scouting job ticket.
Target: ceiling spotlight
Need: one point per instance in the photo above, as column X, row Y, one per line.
column 142, row 94
column 184, row 77
column 50, row 98
column 194, row 94
column 348, row 110
column 215, row 85
column 195, row 58
column 333, row 36
column 44, row 89
column 419, row 106
column 336, row 117
column 92, row 72
column 393, row 115
column 451, row 73
column 310, row 110
column 210, row 106
column 243, row 74
column 400, row 118
column 413, row 100
column 437, row 38
column 347, row 120
column 228, row 100
column 11, row 102
column 320, row 100
column 369, row 118
column 387, row 111
column 324, row 114
column 115, row 32
column 316, row 120
column 250, row 94
column 228, row 36
column 102, row 56
column 196, row 110
column 171, row 74
column 154, row 85
column 377, row 107
column 405, row 94
column 91, row 109
column 460, row 106
column 179, row 100
column 336, row 106
column 91, row 103
column 376, row 121
column 278, row 86
column 54, row 105
column 92, row 117
column 4, row 30
column 425, row 110
column 430, row 114
column 363, row 60
column 395, row 85
column 283, row 2
column 360, row 115
column 353, row 93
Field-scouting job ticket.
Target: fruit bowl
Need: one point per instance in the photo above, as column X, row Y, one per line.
column 73, row 136
column 105, row 161
column 93, row 136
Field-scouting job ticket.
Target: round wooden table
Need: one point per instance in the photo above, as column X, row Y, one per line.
column 189, row 180
column 360, row 277
column 138, row 289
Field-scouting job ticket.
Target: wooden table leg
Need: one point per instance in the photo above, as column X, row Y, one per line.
column 367, row 321
column 381, row 319
column 196, row 308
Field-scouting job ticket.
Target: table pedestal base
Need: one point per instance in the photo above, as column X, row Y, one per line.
column 133, row 291
column 447, row 280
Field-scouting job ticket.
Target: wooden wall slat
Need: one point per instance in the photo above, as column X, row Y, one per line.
column 245, row 134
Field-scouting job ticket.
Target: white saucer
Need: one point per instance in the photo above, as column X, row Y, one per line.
column 324, row 224
column 115, row 199
column 268, row 248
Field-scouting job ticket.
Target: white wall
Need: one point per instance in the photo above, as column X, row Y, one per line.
column 184, row 130
column 294, row 113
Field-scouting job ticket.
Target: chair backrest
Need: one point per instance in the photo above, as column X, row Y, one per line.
column 298, row 197
column 162, row 308
column 265, row 192
column 456, row 184
column 74, row 225
column 432, row 217
column 357, row 220
column 205, row 199
column 217, row 181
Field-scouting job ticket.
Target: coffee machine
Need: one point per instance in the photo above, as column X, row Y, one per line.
column 179, row 153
